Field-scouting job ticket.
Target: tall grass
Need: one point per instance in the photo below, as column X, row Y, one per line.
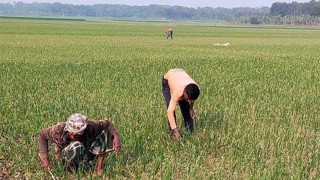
column 257, row 115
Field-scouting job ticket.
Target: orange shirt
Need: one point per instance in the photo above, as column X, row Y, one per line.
column 178, row 79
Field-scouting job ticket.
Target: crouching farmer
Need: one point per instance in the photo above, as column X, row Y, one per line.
column 169, row 33
column 79, row 142
column 179, row 88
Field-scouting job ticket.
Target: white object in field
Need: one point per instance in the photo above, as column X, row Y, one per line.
column 224, row 44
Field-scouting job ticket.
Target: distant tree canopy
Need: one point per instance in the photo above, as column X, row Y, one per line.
column 125, row 11
column 280, row 13
column 296, row 9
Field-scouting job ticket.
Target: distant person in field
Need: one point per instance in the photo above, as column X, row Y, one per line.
column 169, row 33
column 79, row 142
column 179, row 88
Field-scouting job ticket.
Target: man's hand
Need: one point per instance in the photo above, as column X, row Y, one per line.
column 116, row 144
column 44, row 161
column 176, row 134
column 99, row 164
column 192, row 113
column 46, row 164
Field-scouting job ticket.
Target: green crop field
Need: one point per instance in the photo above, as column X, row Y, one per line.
column 258, row 115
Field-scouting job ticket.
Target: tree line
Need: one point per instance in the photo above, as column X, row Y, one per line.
column 294, row 13
column 280, row 13
column 311, row 8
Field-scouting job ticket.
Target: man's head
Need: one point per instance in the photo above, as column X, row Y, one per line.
column 191, row 92
column 76, row 124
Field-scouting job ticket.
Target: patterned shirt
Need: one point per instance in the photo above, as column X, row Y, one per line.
column 57, row 135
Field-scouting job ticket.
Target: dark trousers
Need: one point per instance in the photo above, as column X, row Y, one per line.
column 169, row 34
column 184, row 106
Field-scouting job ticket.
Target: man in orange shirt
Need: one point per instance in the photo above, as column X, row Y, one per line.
column 179, row 88
column 169, row 33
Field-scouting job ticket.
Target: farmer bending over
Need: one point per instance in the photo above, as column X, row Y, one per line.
column 79, row 142
column 169, row 33
column 179, row 88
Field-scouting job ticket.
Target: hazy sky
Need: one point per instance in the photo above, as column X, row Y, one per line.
column 187, row 3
